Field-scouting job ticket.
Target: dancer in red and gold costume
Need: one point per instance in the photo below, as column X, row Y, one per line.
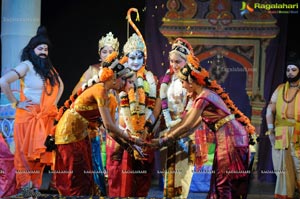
column 231, row 127
column 73, row 167
column 106, row 46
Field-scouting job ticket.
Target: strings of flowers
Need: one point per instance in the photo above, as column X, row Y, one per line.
column 137, row 106
column 164, row 100
column 103, row 75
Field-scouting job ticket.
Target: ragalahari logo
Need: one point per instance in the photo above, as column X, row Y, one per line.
column 246, row 8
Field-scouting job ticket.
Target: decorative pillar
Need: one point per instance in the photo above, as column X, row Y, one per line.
column 19, row 22
column 258, row 100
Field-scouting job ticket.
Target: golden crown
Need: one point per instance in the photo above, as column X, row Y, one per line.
column 109, row 40
column 134, row 43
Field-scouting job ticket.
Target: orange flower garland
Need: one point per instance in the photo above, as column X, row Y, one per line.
column 133, row 107
column 123, row 60
column 137, row 106
column 111, row 57
column 193, row 60
column 202, row 77
column 105, row 74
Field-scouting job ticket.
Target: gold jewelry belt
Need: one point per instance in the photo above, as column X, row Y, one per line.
column 223, row 121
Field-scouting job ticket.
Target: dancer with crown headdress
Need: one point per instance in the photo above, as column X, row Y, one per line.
column 106, row 45
column 177, row 159
column 232, row 129
column 131, row 176
column 81, row 111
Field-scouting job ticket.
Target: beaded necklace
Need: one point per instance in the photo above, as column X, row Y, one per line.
column 45, row 88
column 292, row 99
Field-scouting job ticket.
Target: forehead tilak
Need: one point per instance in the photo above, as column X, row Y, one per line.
column 291, row 66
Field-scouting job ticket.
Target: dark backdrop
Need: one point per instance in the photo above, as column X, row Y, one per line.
column 75, row 27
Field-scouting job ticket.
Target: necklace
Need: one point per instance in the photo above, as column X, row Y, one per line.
column 48, row 93
column 289, row 101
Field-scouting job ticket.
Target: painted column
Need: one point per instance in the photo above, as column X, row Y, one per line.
column 19, row 22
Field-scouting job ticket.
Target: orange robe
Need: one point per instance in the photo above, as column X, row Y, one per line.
column 30, row 131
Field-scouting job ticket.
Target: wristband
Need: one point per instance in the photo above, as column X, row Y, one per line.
column 270, row 126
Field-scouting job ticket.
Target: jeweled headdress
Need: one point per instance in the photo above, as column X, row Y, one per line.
column 109, row 40
column 134, row 42
column 116, row 65
column 181, row 47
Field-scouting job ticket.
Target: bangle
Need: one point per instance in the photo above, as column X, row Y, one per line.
column 15, row 104
column 269, row 132
column 125, row 134
column 270, row 126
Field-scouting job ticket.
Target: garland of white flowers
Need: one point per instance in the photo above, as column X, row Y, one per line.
column 167, row 79
column 164, row 100
column 152, row 92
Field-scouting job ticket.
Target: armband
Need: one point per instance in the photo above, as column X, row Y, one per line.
column 19, row 76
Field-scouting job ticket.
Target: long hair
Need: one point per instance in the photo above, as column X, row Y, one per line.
column 42, row 66
column 201, row 76
column 105, row 74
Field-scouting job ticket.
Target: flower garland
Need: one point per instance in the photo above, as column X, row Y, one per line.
column 164, row 100
column 165, row 84
column 137, row 106
column 103, row 75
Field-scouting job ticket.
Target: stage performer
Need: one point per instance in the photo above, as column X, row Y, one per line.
column 80, row 112
column 232, row 129
column 174, row 102
column 106, row 46
column 283, row 120
column 131, row 176
column 41, row 88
